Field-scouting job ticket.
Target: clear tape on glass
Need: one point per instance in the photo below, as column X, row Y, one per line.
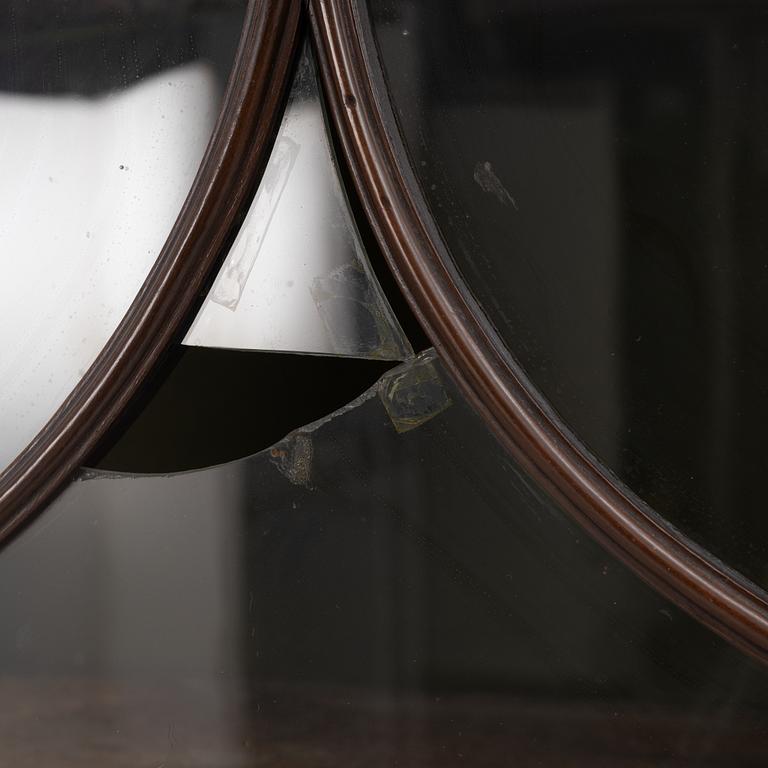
column 297, row 278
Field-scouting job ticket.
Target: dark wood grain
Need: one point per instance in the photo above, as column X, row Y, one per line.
column 232, row 166
column 479, row 361
column 119, row 723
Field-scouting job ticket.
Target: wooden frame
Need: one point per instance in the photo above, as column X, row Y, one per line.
column 471, row 349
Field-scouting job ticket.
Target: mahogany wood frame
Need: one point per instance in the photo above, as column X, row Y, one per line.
column 485, row 370
column 479, row 361
column 231, row 169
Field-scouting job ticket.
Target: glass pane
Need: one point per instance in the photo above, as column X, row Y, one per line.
column 297, row 278
column 598, row 171
column 383, row 587
column 105, row 112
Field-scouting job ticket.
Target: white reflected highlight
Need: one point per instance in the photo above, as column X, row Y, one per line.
column 90, row 189
column 297, row 278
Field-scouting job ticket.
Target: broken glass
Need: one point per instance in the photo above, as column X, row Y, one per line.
column 383, row 587
column 297, row 278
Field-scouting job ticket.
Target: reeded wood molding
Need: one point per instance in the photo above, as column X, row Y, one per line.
column 478, row 359
column 231, row 168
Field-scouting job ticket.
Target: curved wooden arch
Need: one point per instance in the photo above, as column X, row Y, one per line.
column 231, row 168
column 479, row 361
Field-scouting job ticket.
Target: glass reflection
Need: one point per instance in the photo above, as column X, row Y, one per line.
column 297, row 278
column 598, row 170
column 383, row 587
column 105, row 112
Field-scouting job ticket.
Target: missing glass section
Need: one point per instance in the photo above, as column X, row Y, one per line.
column 210, row 406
